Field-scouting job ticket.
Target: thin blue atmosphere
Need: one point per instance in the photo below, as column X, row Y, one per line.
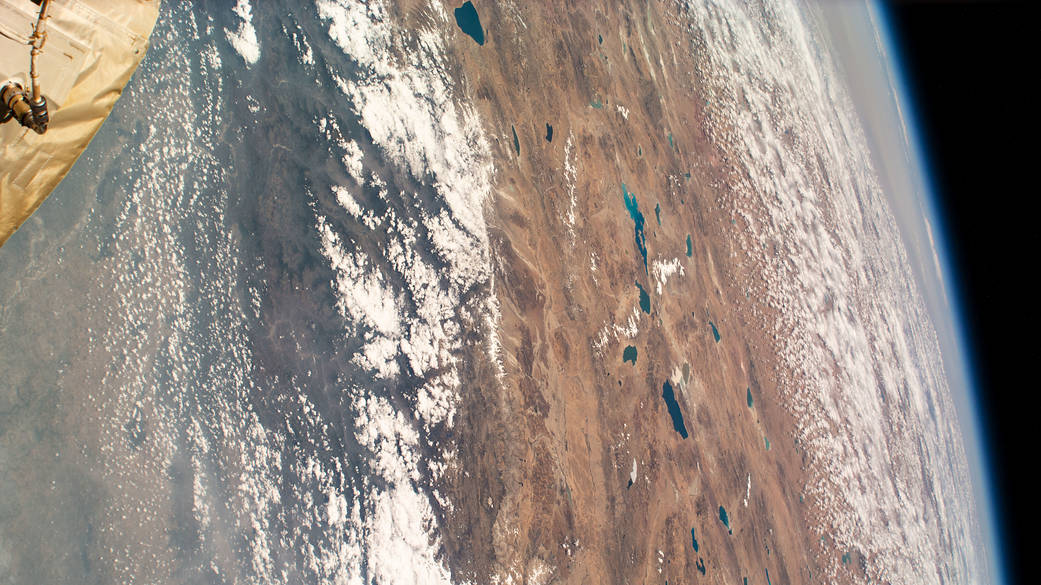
column 959, row 358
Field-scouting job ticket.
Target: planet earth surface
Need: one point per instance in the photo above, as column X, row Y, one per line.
column 491, row 292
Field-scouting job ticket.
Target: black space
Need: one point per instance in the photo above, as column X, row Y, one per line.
column 971, row 68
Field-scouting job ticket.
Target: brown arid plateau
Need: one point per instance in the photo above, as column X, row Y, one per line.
column 549, row 451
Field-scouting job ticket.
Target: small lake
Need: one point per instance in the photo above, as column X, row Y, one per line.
column 724, row 519
column 634, row 212
column 467, row 19
column 645, row 299
column 674, row 409
column 629, row 354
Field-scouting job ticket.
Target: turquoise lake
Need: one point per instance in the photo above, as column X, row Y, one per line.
column 634, row 212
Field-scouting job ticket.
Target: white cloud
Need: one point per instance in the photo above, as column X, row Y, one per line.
column 244, row 39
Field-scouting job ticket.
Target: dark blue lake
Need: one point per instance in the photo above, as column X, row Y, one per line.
column 467, row 19
column 674, row 409
column 724, row 519
column 645, row 299
column 629, row 354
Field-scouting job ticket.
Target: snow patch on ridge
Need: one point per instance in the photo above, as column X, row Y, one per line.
column 662, row 271
column 570, row 174
column 613, row 331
